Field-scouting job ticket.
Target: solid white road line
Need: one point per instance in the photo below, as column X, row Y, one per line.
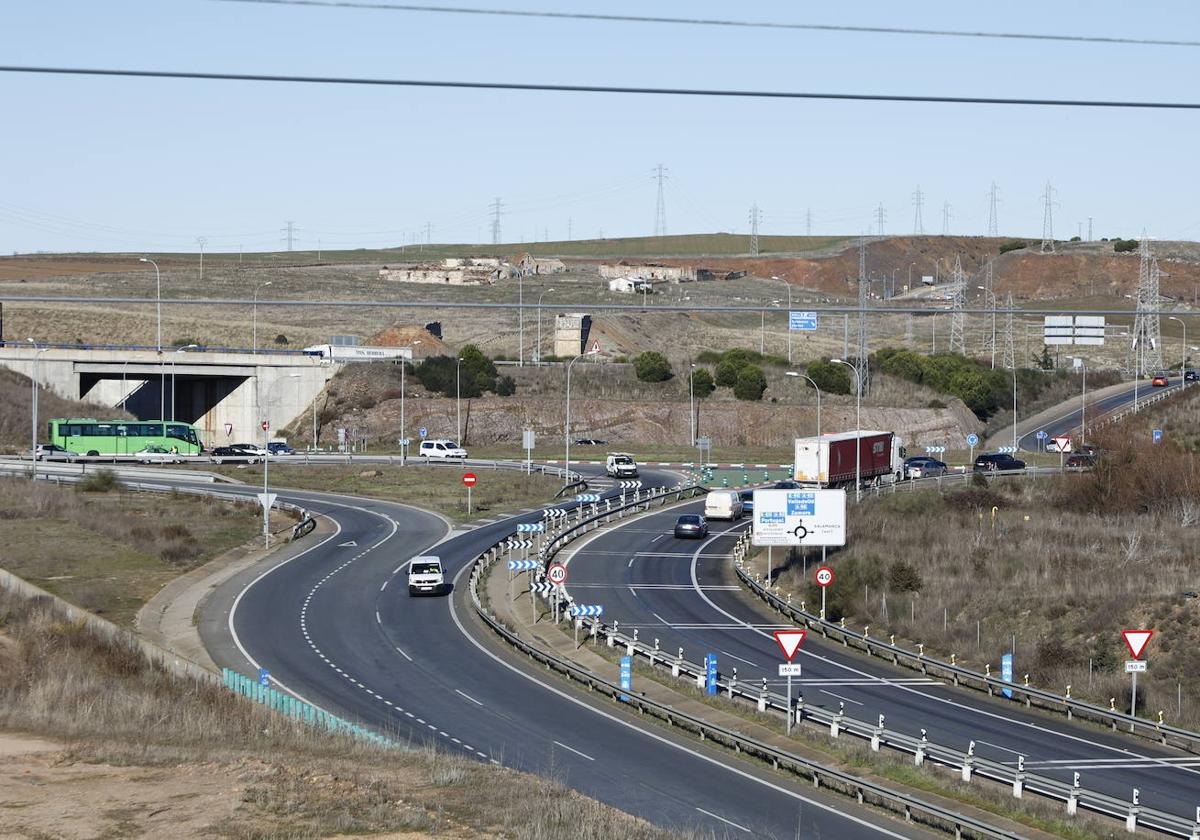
column 572, row 749
column 840, row 697
column 405, row 655
column 468, row 696
column 722, row 819
column 739, row 659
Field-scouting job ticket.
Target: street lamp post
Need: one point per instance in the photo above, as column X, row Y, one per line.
column 520, row 318
column 1183, row 359
column 814, row 384
column 857, row 428
column 254, row 318
column 1083, row 407
column 403, row 427
column 567, row 426
column 539, row 325
column 910, row 268
column 33, row 405
column 893, row 294
column 157, row 298
column 789, row 316
column 692, row 401
column 458, row 399
column 762, row 333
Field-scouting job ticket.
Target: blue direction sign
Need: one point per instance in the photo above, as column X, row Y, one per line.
column 710, row 673
column 1006, row 672
column 806, row 321
column 423, row 432
column 264, row 677
column 972, row 439
column 1158, row 435
column 1042, row 435
column 626, row 676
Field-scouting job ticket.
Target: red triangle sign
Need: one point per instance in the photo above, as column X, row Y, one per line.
column 790, row 641
column 1137, row 639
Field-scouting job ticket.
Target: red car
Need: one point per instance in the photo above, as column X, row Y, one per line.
column 1159, row 381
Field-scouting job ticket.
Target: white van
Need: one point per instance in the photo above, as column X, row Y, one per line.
column 723, row 504
column 425, row 575
column 441, row 449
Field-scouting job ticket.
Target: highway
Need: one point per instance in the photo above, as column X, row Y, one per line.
column 332, row 621
column 1070, row 420
column 681, row 592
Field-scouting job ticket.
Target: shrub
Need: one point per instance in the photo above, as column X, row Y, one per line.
column 652, row 367
column 727, row 373
column 702, row 383
column 830, row 377
column 1076, row 239
column 506, row 386
column 1012, row 245
column 751, row 382
column 441, row 373
column 281, row 339
column 904, row 577
column 100, row 481
column 1124, row 246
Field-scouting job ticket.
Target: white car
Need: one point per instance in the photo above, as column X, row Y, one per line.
column 155, row 454
column 252, row 450
column 723, row 504
column 442, row 448
column 425, row 576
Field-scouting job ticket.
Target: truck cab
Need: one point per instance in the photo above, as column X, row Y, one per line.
column 425, row 575
column 620, row 465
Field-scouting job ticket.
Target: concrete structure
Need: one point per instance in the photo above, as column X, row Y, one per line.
column 227, row 395
column 655, row 271
column 571, row 332
column 629, row 285
column 527, row 264
column 452, row 271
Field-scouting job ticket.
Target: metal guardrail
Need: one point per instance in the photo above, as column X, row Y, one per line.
column 866, row 792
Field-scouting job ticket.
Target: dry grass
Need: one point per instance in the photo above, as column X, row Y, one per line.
column 1065, row 564
column 16, row 397
column 65, row 682
column 110, row 553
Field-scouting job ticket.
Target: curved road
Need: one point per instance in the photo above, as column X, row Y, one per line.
column 333, row 623
column 1070, row 420
column 681, row 592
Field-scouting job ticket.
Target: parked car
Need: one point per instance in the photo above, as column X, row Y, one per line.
column 53, row 452
column 723, row 504
column 441, row 448
column 923, row 466
column 998, row 462
column 691, row 526
column 1159, row 381
column 279, row 447
column 155, row 454
column 221, row 454
column 747, row 501
column 590, row 442
column 1080, row 462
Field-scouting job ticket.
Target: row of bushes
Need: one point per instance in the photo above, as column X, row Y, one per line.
column 441, row 374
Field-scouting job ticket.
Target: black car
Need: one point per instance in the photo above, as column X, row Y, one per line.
column 1080, row 462
column 691, row 526
column 591, row 442
column 787, row 484
column 998, row 462
column 747, row 501
column 222, row 453
column 278, row 447
column 1191, row 376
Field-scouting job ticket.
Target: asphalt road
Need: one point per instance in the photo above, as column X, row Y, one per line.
column 675, row 591
column 334, row 624
column 1071, row 420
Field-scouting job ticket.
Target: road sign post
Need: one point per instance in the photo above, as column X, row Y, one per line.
column 469, row 480
column 626, row 677
column 1006, row 673
column 799, row 517
column 972, row 441
column 789, row 642
column 824, row 578
column 528, row 438
column 1136, row 641
column 264, row 677
column 557, row 575
column 710, row 674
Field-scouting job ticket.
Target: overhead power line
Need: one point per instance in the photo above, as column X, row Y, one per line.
column 741, row 24
column 563, row 88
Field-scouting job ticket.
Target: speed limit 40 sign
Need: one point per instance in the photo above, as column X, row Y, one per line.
column 824, row 576
column 557, row 574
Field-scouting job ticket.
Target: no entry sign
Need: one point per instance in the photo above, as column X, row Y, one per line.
column 469, row 479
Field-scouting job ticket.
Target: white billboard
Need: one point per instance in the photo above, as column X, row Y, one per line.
column 1089, row 329
column 799, row 517
column 1073, row 329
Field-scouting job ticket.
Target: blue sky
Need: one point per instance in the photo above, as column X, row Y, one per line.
column 132, row 165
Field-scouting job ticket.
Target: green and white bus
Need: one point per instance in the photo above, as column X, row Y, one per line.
column 85, row 436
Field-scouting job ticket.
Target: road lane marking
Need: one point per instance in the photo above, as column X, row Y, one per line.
column 468, row 696
column 385, row 583
column 577, row 752
column 840, row 697
column 660, row 618
column 378, row 620
column 405, row 655
column 629, row 565
column 633, row 592
column 738, row 658
column 659, row 537
column 722, row 819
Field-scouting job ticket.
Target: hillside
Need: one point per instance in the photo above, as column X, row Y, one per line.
column 16, row 397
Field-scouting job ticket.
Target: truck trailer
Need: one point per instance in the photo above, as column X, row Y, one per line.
column 829, row 460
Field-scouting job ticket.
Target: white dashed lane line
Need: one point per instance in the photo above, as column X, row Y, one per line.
column 572, row 749
column 468, row 696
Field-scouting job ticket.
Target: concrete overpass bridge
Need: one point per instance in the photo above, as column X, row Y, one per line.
column 227, row 393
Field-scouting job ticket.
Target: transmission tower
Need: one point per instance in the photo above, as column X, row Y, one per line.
column 989, row 300
column 918, row 223
column 808, row 222
column 958, row 318
column 569, row 220
column 755, row 216
column 289, row 232
column 993, row 228
column 496, row 209
column 1048, row 220
column 1010, row 338
column 1089, row 239
column 861, row 358
column 1145, row 350
column 660, row 208
column 945, row 218
column 880, row 218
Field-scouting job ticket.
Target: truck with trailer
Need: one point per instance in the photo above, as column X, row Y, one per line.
column 829, row 460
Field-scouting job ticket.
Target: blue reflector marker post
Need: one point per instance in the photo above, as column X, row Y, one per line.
column 710, row 674
column 626, row 676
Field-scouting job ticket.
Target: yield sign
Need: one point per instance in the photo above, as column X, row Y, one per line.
column 1137, row 639
column 790, row 641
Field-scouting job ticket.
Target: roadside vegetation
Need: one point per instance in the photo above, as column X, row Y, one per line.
column 1060, row 565
column 107, row 550
column 208, row 763
column 16, row 395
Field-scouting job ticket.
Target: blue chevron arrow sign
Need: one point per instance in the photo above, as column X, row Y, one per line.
column 588, row 497
column 526, row 527
column 582, row 610
column 522, row 565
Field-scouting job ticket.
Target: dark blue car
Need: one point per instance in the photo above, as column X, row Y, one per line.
column 747, row 501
